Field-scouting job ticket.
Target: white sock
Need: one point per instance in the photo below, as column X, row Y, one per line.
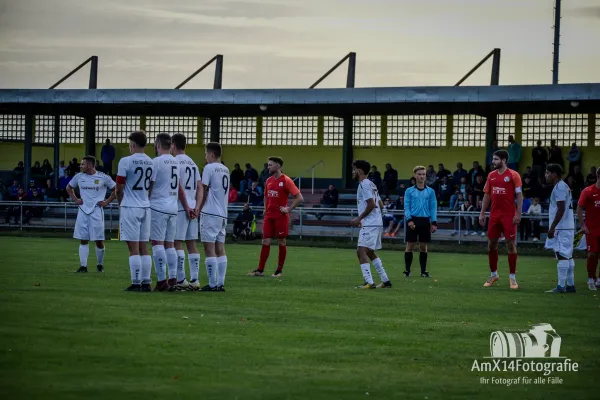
column 590, row 280
column 84, row 251
column 160, row 258
column 571, row 273
column 378, row 264
column 495, row 273
column 146, row 269
column 211, row 270
column 512, row 276
column 180, row 265
column 366, row 270
column 172, row 262
column 222, row 265
column 563, row 267
column 194, row 260
column 100, row 255
column 135, row 266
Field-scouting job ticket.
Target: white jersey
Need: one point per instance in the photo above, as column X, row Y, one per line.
column 92, row 189
column 137, row 169
column 165, row 190
column 189, row 179
column 561, row 192
column 367, row 190
column 216, row 177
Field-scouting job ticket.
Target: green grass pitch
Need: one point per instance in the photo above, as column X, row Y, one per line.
column 310, row 335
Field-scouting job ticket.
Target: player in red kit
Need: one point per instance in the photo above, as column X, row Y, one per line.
column 501, row 187
column 277, row 214
column 590, row 202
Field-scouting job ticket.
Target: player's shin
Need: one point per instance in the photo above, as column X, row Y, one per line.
column 84, row 251
column 211, row 271
column 180, row 265
column 592, row 262
column 282, row 256
column 264, row 256
column 378, row 264
column 423, row 261
column 100, row 255
column 146, row 262
column 512, row 264
column 172, row 262
column 408, row 258
column 194, row 260
column 563, row 268
column 493, row 260
column 160, row 259
column 222, row 267
column 571, row 273
column 135, row 267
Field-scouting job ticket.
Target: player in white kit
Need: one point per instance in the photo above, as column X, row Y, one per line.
column 134, row 180
column 187, row 215
column 163, row 208
column 90, row 216
column 371, row 223
column 213, row 217
column 561, row 231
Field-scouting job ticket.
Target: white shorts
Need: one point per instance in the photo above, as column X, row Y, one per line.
column 562, row 243
column 212, row 229
column 135, row 224
column 163, row 226
column 187, row 229
column 89, row 226
column 370, row 237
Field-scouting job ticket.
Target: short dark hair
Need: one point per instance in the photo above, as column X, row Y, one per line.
column 554, row 169
column 215, row 148
column 90, row 159
column 163, row 140
column 179, row 141
column 363, row 165
column 276, row 159
column 139, row 138
column 501, row 154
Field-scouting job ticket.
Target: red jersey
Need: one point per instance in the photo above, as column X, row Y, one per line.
column 277, row 192
column 590, row 201
column 502, row 189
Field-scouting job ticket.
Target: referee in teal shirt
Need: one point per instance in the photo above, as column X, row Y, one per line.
column 420, row 214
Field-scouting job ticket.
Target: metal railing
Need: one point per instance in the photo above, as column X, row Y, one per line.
column 305, row 222
column 312, row 171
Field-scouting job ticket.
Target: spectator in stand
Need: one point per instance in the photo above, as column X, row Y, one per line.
column 525, row 225
column 467, row 220
column 445, row 191
column 47, row 168
column 375, row 177
column 489, row 154
column 254, row 194
column 107, row 154
column 591, row 178
column 14, row 190
column 36, row 170
column 540, row 159
column 62, row 170
column 544, row 190
column 459, row 173
column 477, row 226
column 264, row 175
column 330, row 197
column 398, row 221
column 478, row 189
column 3, row 191
column 388, row 216
column 535, row 212
column 62, row 185
column 33, row 186
column 390, row 177
column 475, row 172
column 529, row 187
column 15, row 211
column 250, row 176
column 575, row 188
column 51, row 193
column 574, row 157
column 457, row 200
column 514, row 153
column 36, row 210
column 401, row 189
column 555, row 153
column 443, row 172
column 100, row 168
column 242, row 226
column 19, row 171
column 578, row 178
column 528, row 172
column 237, row 176
column 431, row 177
column 233, row 195
column 73, row 167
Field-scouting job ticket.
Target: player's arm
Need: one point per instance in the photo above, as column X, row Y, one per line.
column 519, row 192
column 71, row 192
column 203, row 195
column 295, row 192
column 485, row 202
column 153, row 177
column 370, row 199
column 407, row 206
column 433, row 210
column 560, row 211
column 121, row 179
column 580, row 208
column 380, row 204
column 199, row 197
column 113, row 194
column 183, row 199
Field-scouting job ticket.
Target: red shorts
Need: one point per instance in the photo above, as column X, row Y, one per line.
column 499, row 225
column 592, row 241
column 276, row 227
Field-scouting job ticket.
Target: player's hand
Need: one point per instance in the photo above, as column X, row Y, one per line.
column 102, row 204
column 551, row 232
column 482, row 219
column 585, row 229
column 284, row 210
column 411, row 225
column 79, row 202
column 355, row 222
column 433, row 228
column 517, row 219
column 197, row 212
column 190, row 213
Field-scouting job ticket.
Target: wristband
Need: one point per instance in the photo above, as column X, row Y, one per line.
column 434, row 223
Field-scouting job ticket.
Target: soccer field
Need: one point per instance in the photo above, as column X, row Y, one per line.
column 310, row 335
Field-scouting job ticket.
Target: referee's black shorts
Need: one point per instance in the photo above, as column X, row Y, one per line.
column 422, row 231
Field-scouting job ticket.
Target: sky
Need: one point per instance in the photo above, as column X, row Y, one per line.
column 291, row 43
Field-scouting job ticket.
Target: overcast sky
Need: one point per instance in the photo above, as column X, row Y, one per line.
column 290, row 43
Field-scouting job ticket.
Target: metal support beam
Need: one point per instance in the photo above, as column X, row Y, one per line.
column 556, row 58
column 56, row 149
column 218, row 72
column 491, row 121
column 495, row 79
column 215, row 129
column 90, row 135
column 351, row 70
column 29, row 126
column 476, row 67
column 347, row 152
column 93, row 72
column 218, row 84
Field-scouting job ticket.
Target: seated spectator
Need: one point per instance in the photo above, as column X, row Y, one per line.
column 544, row 190
column 15, row 211
column 478, row 189
column 401, row 189
column 242, row 226
column 534, row 211
column 330, row 197
column 578, row 178
column 233, row 195
column 445, row 191
column 459, row 174
column 19, row 171
column 398, row 222
column 375, row 177
column 36, row 210
column 386, row 215
column 73, row 167
column 237, row 176
column 99, row 167
column 467, row 220
column 13, row 190
column 390, row 178
column 528, row 172
column 462, row 186
column 264, row 175
column 456, row 200
column 529, row 190
column 475, row 172
column 47, row 168
column 525, row 225
column 443, row 172
column 51, row 192
column 431, row 177
column 3, row 191
column 591, row 178
column 575, row 188
column 254, row 195
column 62, row 170
column 250, row 176
column 36, row 170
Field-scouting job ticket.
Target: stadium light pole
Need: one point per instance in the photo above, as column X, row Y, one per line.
column 347, row 153
column 215, row 121
column 556, row 55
